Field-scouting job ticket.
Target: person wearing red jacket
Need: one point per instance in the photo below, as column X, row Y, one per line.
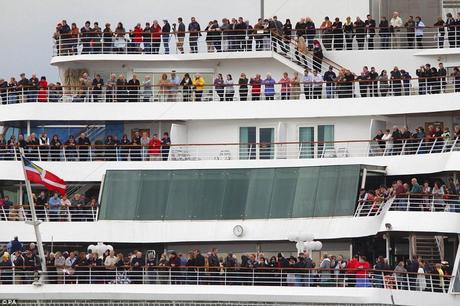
column 137, row 37
column 362, row 275
column 256, row 85
column 155, row 148
column 155, row 29
column 351, row 270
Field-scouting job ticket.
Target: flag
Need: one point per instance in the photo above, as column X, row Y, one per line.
column 38, row 175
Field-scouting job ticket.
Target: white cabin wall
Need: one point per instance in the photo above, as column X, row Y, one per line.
column 228, row 132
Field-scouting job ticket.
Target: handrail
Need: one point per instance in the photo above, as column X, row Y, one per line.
column 413, row 38
column 48, row 213
column 229, row 276
column 413, row 202
column 236, row 267
column 266, row 30
column 230, row 151
column 236, row 143
column 370, row 81
column 280, row 90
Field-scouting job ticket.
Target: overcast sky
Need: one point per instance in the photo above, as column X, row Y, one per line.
column 27, row 25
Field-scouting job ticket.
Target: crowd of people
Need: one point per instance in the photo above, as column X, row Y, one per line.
column 413, row 196
column 51, row 207
column 313, row 84
column 237, row 34
column 30, row 89
column 139, row 147
column 397, row 141
column 195, row 267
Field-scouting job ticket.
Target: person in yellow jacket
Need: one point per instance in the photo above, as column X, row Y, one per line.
column 198, row 83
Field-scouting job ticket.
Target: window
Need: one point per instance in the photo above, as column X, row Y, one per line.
column 266, row 139
column 325, row 139
column 248, row 142
column 306, row 142
column 250, row 137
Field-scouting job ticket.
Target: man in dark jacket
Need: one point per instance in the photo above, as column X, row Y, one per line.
column 137, row 265
column 64, row 32
column 194, row 29
column 86, row 34
column 180, row 34
column 165, row 30
column 147, row 37
column 412, row 268
column 396, row 81
column 16, row 245
column 83, row 144
column 31, row 263
column 442, row 73
column 397, row 140
column 370, row 28
column 300, row 28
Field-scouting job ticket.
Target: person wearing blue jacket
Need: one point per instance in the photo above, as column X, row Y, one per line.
column 269, row 84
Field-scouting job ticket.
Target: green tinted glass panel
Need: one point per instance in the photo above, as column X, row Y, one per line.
column 154, row 200
column 121, row 195
column 326, row 191
column 211, row 188
column 184, row 191
column 283, row 192
column 259, row 193
column 348, row 180
column 305, row 196
column 236, row 192
column 206, row 194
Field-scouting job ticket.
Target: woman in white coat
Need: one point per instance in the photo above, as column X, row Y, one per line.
column 388, row 142
column 421, row 280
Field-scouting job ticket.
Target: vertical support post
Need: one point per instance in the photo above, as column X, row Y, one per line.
column 363, row 180
column 28, row 127
column 387, row 246
column 21, row 194
column 262, row 8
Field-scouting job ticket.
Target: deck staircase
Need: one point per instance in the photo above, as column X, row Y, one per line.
column 430, row 248
column 294, row 61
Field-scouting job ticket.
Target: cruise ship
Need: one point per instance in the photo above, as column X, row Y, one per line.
column 239, row 162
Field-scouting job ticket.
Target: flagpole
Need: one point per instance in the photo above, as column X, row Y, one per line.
column 35, row 222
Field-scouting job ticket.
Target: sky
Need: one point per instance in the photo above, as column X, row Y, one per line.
column 28, row 25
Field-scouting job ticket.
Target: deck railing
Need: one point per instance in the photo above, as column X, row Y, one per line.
column 233, row 276
column 232, row 151
column 82, row 213
column 252, row 40
column 413, row 202
column 259, row 90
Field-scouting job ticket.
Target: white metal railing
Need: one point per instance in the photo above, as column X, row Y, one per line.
column 367, row 208
column 255, row 90
column 229, row 276
column 426, row 203
column 409, row 202
column 16, row 212
column 233, row 151
column 254, row 40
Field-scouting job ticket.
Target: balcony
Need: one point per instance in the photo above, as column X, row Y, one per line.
column 252, row 41
column 258, row 91
column 423, row 203
column 234, row 151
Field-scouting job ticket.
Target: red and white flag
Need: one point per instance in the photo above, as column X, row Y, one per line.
column 38, row 175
